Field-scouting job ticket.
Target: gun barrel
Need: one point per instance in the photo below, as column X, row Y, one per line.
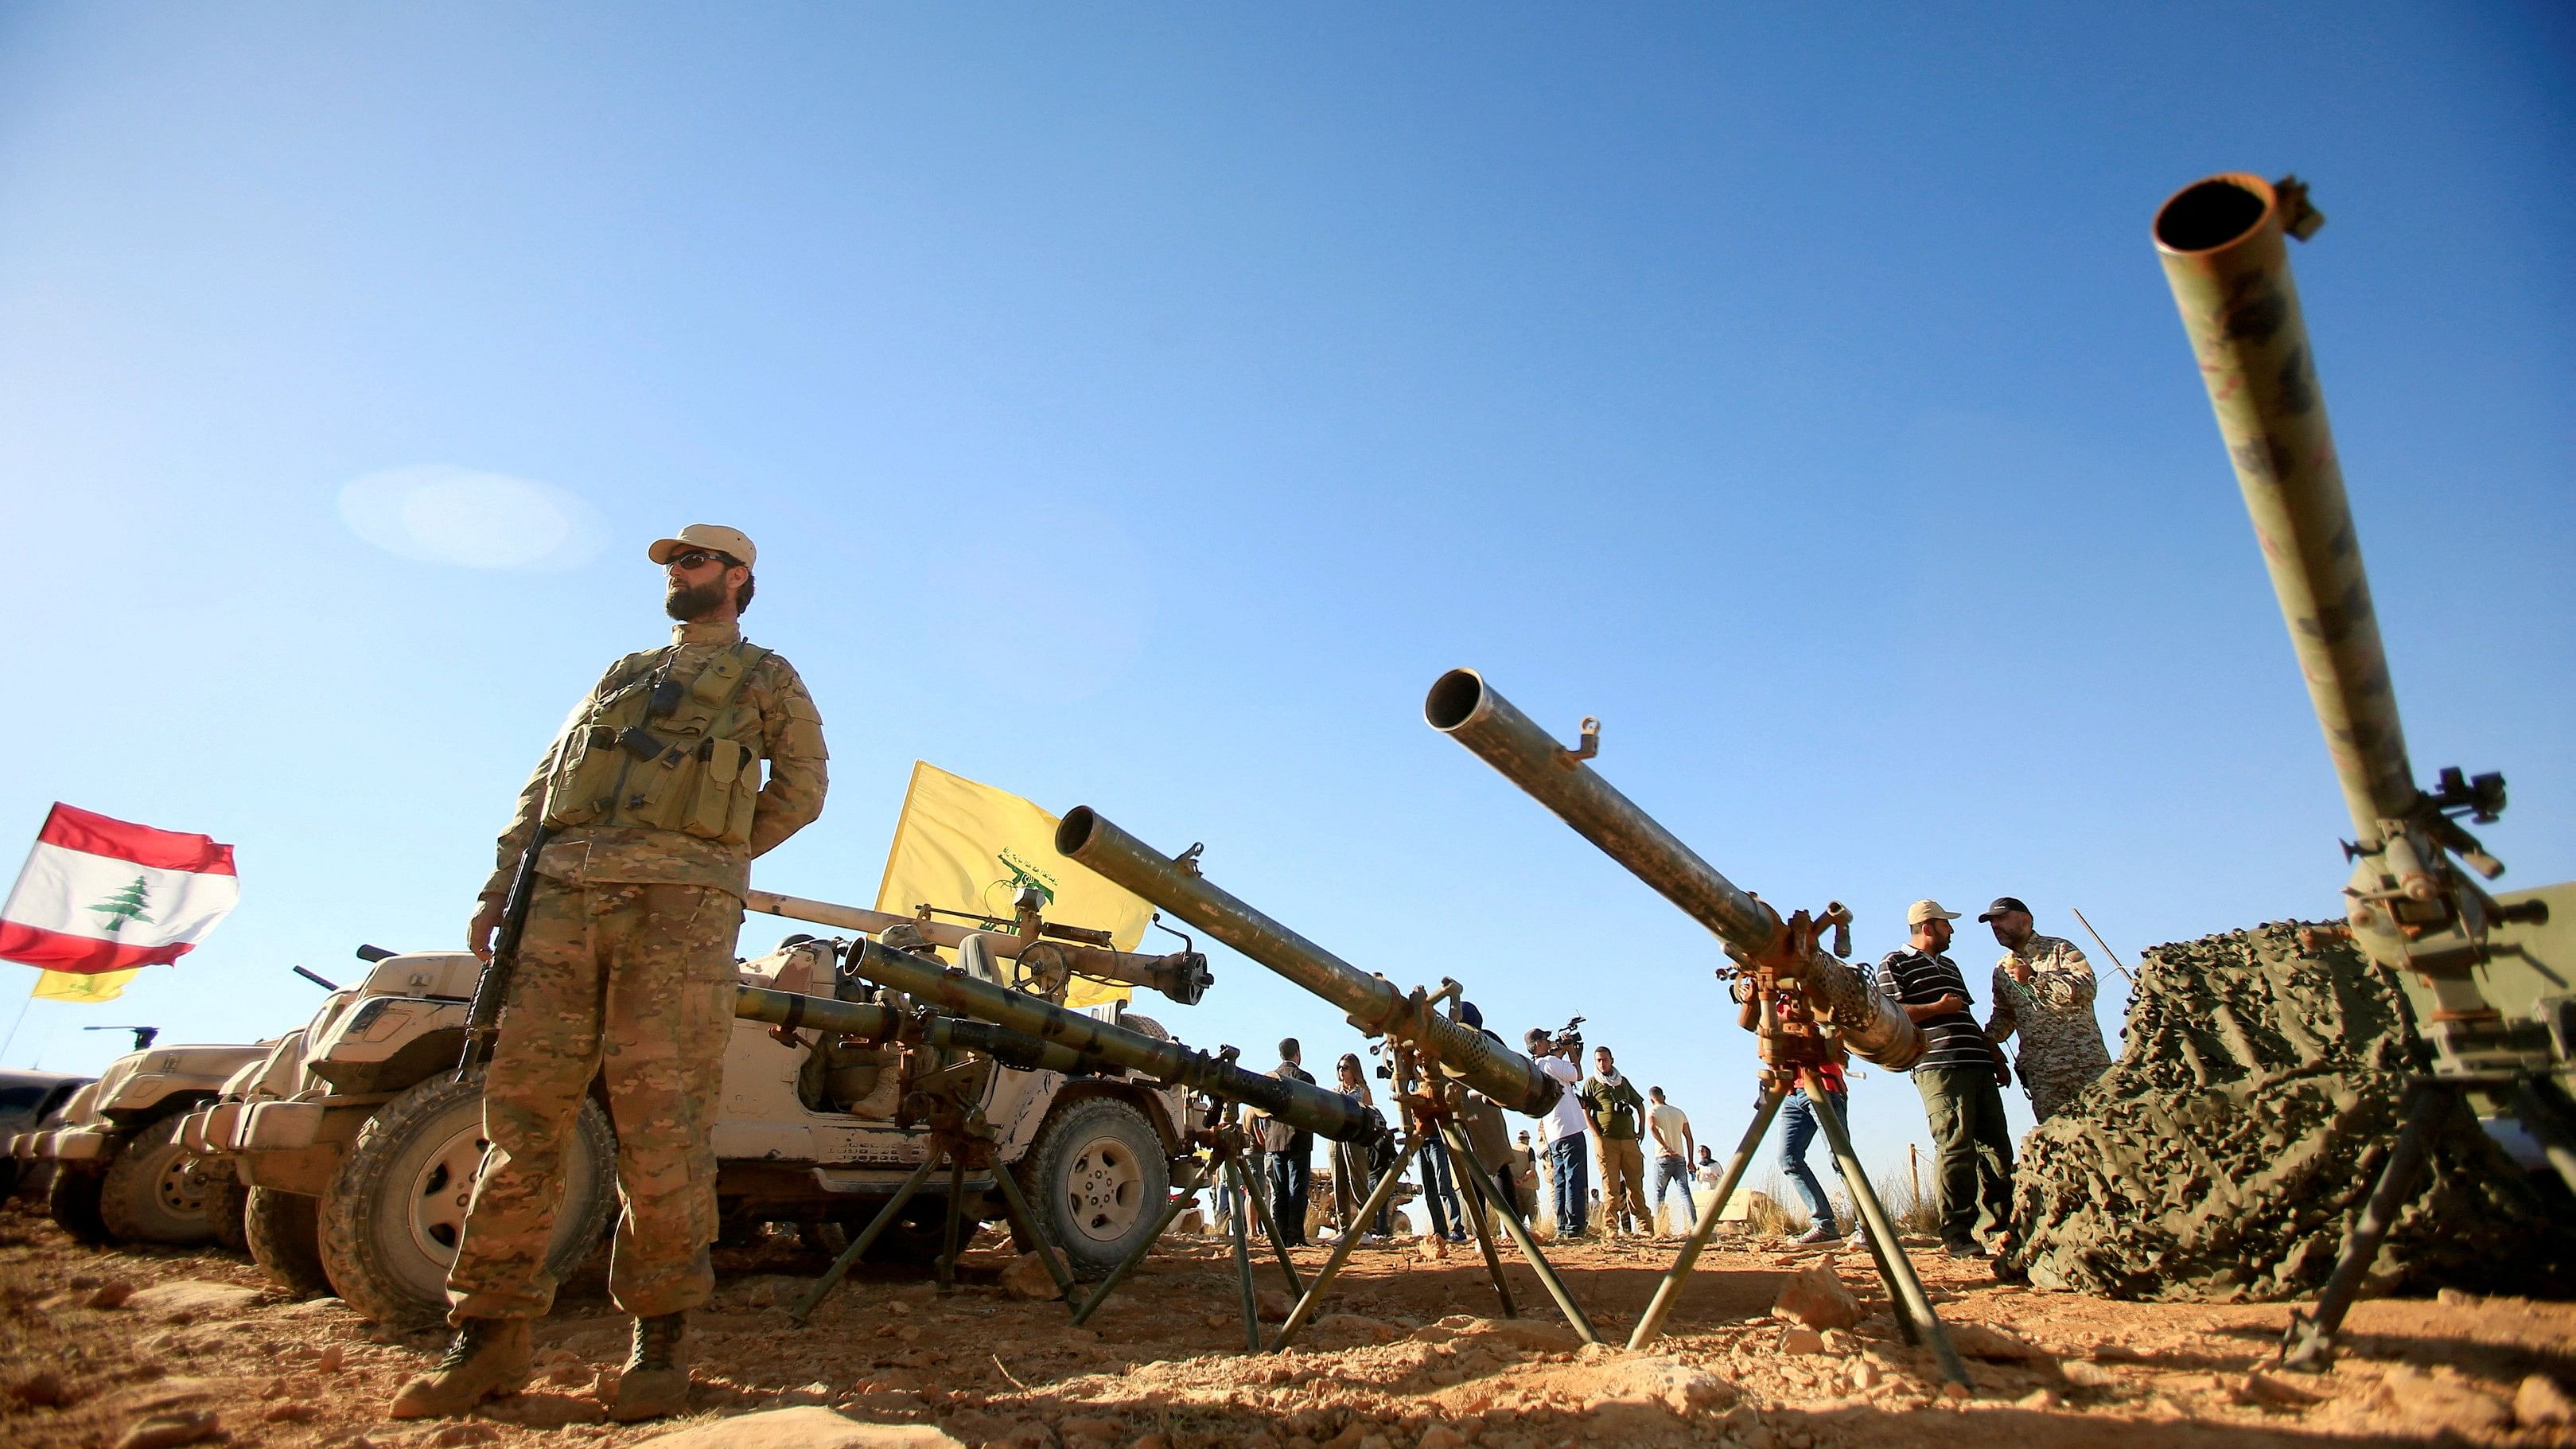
column 1373, row 1002
column 1328, row 1114
column 793, row 1010
column 1464, row 707
column 2220, row 240
column 1182, row 975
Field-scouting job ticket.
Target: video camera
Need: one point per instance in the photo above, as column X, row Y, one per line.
column 1568, row 1040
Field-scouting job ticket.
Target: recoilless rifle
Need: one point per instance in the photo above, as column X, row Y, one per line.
column 2490, row 980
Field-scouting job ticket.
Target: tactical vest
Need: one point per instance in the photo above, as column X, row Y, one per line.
column 665, row 756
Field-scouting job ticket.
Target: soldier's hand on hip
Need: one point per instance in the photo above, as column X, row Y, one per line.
column 480, row 931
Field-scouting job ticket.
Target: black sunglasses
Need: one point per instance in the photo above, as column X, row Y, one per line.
column 697, row 556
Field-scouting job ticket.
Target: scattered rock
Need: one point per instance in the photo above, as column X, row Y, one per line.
column 1657, row 1380
column 1801, row 1341
column 167, row 1431
column 43, row 1389
column 1028, row 1278
column 2271, row 1392
column 1530, row 1335
column 329, row 1360
column 460, row 1436
column 2042, row 1399
column 2434, row 1402
column 2542, row 1402
column 1441, row 1436
column 1273, row 1305
column 1433, row 1248
column 292, row 1412
column 2088, row 1375
column 177, row 1302
column 1976, row 1340
column 1817, row 1298
column 1193, row 1222
column 110, row 1294
column 2455, row 1298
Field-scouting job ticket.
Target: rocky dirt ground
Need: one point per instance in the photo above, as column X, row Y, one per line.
column 94, row 1342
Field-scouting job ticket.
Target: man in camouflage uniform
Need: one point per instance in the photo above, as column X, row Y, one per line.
column 2044, row 990
column 656, row 807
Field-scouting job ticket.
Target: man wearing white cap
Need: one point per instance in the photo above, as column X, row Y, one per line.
column 1961, row 1076
column 654, row 807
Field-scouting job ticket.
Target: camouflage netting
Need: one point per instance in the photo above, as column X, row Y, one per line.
column 2241, row 1130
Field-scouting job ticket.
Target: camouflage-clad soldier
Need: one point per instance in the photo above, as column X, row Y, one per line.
column 654, row 794
column 2044, row 990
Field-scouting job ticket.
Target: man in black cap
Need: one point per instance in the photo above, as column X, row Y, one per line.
column 2044, row 990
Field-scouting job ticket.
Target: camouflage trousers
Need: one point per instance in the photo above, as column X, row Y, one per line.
column 1623, row 1183
column 2053, row 1083
column 631, row 984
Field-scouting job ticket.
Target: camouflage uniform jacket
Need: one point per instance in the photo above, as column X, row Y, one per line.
column 791, row 736
column 2061, row 1042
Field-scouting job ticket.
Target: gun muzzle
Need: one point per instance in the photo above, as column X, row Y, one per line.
column 1464, row 707
column 1372, row 1002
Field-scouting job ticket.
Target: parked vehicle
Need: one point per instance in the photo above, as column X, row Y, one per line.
column 120, row 1171
column 31, row 1102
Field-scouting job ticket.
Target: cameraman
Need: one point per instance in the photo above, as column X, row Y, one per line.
column 1562, row 1132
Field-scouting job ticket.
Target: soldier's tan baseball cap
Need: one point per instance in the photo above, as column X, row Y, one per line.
column 713, row 537
column 1921, row 911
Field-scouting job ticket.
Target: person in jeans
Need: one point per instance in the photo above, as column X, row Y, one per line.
column 1562, row 1131
column 1292, row 1156
column 1611, row 1103
column 1671, row 1129
column 1961, row 1076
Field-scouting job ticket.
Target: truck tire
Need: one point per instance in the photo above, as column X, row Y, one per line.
column 284, row 1231
column 228, row 1210
column 1098, row 1180
column 73, row 1201
column 394, row 1208
column 155, row 1190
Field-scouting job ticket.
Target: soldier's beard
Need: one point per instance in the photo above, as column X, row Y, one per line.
column 690, row 602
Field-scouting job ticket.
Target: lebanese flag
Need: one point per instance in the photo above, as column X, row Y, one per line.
column 104, row 895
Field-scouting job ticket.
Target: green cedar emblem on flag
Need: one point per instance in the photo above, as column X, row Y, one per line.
column 126, row 905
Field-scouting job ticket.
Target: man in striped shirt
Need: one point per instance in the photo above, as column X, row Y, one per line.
column 1961, row 1077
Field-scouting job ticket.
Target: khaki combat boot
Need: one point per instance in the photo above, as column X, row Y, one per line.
column 655, row 1384
column 488, row 1358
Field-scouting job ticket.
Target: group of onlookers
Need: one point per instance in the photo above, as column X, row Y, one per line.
column 2043, row 991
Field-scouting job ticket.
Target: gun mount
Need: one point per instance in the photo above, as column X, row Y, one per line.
column 1464, row 707
column 1375, row 1005
column 2487, row 979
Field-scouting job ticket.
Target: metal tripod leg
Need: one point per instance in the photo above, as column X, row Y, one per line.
column 2547, row 1115
column 1472, row 1201
column 1896, row 1270
column 1128, row 1264
column 1243, row 1257
column 1575, row 1317
column 2309, row 1342
column 949, row 1229
column 1668, row 1291
column 1270, row 1230
column 866, row 1239
column 1024, row 1222
column 1377, row 1199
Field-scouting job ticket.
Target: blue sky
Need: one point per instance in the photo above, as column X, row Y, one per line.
column 1140, row 407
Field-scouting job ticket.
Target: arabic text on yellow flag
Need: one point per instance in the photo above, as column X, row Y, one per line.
column 73, row 986
column 962, row 846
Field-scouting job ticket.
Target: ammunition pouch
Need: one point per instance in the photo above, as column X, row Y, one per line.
column 662, row 756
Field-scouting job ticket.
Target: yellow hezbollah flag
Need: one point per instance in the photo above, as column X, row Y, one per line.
column 962, row 846
column 73, row 986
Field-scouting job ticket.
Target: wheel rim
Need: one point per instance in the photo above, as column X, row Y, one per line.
column 181, row 1189
column 440, row 1192
column 1104, row 1190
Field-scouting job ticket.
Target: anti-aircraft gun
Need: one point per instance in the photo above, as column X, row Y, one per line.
column 2490, row 980
column 948, row 1010
column 1784, row 964
column 1436, row 1059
